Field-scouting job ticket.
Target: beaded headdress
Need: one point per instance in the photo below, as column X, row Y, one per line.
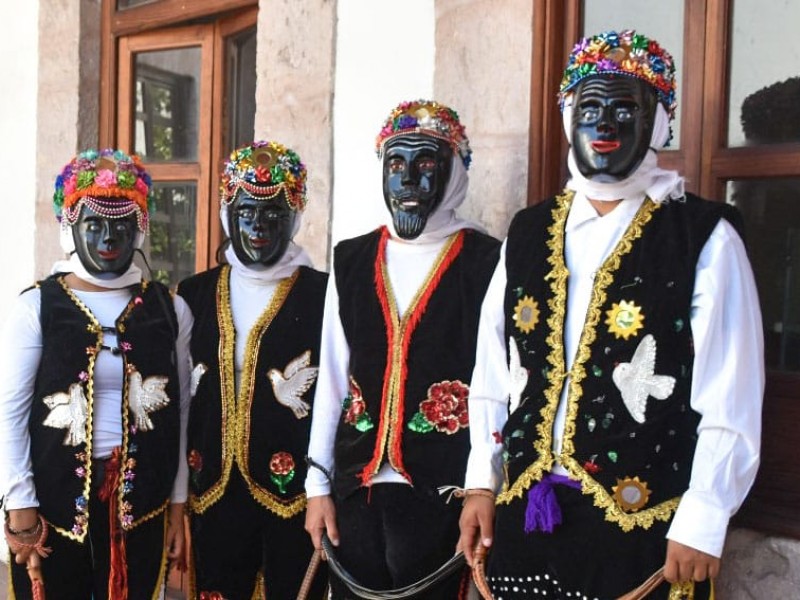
column 625, row 53
column 428, row 118
column 263, row 169
column 111, row 183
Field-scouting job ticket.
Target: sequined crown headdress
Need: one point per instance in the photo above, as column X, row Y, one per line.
column 263, row 169
column 428, row 118
column 111, row 183
column 625, row 53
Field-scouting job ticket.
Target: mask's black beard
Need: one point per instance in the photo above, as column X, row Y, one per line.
column 409, row 225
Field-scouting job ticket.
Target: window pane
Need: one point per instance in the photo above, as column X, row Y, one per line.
column 241, row 87
column 166, row 102
column 765, row 89
column 661, row 20
column 123, row 4
column 772, row 231
column 171, row 243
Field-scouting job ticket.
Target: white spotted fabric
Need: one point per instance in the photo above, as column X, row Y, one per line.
column 532, row 586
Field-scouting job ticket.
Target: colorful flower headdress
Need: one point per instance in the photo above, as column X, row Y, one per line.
column 262, row 169
column 624, row 53
column 109, row 181
column 429, row 118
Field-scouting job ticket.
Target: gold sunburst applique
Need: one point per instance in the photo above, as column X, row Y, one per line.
column 526, row 314
column 624, row 319
column 631, row 494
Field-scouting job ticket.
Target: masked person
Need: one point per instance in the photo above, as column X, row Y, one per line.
column 94, row 399
column 398, row 345
column 255, row 347
column 617, row 393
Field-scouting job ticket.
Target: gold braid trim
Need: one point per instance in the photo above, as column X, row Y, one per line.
column 543, row 444
column 685, row 591
column 96, row 328
column 402, row 329
column 282, row 507
column 226, row 358
column 162, row 571
column 557, row 303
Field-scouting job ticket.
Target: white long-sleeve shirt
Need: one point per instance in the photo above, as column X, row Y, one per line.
column 727, row 382
column 408, row 264
column 20, row 353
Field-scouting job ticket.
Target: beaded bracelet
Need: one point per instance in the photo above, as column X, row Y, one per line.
column 30, row 531
column 15, row 545
column 479, row 492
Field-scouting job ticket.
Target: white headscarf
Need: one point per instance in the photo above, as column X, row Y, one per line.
column 660, row 185
column 444, row 221
column 74, row 265
column 294, row 257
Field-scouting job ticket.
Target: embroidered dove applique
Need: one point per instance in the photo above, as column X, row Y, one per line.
column 197, row 372
column 296, row 379
column 145, row 397
column 636, row 379
column 518, row 375
column 68, row 410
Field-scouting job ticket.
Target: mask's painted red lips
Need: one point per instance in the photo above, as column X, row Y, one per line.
column 605, row 146
column 258, row 242
column 108, row 254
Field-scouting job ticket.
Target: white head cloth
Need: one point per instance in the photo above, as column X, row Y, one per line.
column 444, row 221
column 295, row 256
column 660, row 185
column 74, row 265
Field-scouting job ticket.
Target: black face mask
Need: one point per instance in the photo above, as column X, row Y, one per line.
column 612, row 124
column 104, row 245
column 416, row 169
column 260, row 229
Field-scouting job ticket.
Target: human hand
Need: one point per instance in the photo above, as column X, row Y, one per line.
column 685, row 563
column 321, row 517
column 23, row 520
column 176, row 537
column 476, row 523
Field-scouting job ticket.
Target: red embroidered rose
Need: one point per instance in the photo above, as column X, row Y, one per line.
column 282, row 466
column 195, row 461
column 446, row 406
column 281, row 463
column 355, row 408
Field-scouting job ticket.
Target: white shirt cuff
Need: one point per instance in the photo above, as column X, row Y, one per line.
column 699, row 524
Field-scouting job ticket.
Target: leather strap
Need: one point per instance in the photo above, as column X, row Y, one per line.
column 311, row 571
column 641, row 592
column 410, row 591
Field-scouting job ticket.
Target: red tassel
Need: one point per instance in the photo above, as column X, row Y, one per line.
column 118, row 574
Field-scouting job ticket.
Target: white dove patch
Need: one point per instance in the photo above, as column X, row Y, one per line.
column 518, row 375
column 68, row 410
column 197, row 372
column 145, row 397
column 296, row 379
column 636, row 379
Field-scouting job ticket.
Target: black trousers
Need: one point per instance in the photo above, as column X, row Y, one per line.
column 391, row 536
column 585, row 557
column 76, row 571
column 237, row 538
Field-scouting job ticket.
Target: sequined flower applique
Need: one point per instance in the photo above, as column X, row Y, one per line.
column 445, row 409
column 281, row 467
column 355, row 409
column 526, row 314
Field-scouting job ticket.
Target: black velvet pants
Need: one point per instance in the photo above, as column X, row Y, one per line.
column 76, row 571
column 586, row 557
column 236, row 538
column 391, row 536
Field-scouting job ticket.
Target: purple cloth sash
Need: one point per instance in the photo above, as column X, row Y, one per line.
column 543, row 512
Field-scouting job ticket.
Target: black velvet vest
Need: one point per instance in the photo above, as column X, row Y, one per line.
column 71, row 337
column 265, row 438
column 409, row 376
column 631, row 450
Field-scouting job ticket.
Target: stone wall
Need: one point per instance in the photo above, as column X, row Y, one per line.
column 483, row 70
column 294, row 97
column 756, row 566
